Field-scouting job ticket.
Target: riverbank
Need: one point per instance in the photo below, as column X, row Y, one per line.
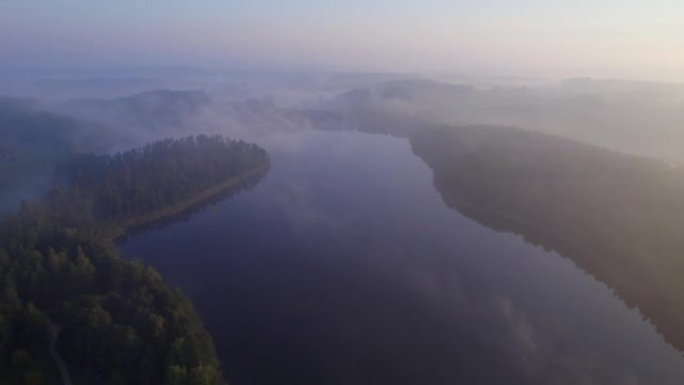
column 614, row 215
column 115, row 232
column 113, row 320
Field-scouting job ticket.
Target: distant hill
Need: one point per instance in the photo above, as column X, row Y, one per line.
column 24, row 125
column 411, row 90
column 156, row 110
column 641, row 118
column 32, row 140
column 621, row 87
column 166, row 112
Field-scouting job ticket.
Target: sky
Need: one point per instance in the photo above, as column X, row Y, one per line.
column 617, row 38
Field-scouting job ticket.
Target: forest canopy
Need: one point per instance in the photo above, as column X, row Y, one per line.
column 119, row 322
column 618, row 216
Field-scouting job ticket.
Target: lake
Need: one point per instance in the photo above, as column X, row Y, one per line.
column 344, row 266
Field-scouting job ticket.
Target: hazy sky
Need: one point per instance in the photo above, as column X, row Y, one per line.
column 632, row 38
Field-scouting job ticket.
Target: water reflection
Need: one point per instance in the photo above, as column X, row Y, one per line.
column 344, row 266
column 206, row 204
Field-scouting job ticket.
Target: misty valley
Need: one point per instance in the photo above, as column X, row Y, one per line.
column 325, row 228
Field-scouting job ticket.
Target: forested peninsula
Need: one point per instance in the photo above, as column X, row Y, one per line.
column 118, row 322
column 617, row 216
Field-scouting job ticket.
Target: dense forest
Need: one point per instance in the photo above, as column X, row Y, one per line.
column 118, row 322
column 617, row 216
column 130, row 188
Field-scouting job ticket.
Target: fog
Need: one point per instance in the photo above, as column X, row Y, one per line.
column 636, row 117
column 121, row 109
column 639, row 118
column 361, row 193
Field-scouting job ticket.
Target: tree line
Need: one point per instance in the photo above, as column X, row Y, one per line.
column 617, row 216
column 119, row 322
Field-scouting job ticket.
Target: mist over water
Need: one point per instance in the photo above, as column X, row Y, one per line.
column 344, row 264
column 363, row 192
column 370, row 278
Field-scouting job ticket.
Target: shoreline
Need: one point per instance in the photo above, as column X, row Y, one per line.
column 117, row 232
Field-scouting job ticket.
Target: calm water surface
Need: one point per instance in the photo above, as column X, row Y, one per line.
column 344, row 266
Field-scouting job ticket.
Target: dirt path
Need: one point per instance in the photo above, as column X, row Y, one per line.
column 54, row 333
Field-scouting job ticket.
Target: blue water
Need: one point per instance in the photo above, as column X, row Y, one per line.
column 344, row 266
